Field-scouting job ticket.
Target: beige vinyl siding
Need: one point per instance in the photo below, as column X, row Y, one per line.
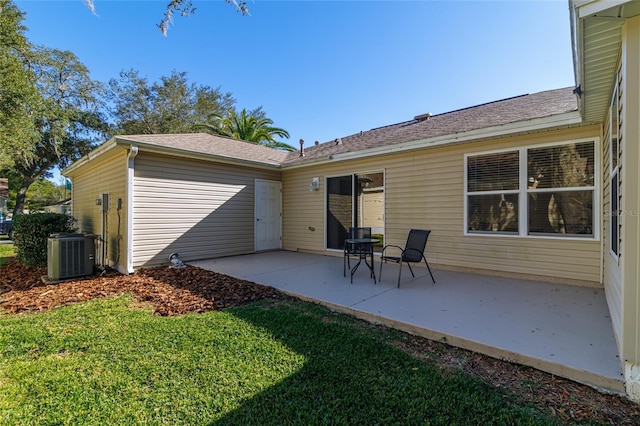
column 630, row 198
column 302, row 211
column 105, row 175
column 425, row 189
column 373, row 206
column 194, row 208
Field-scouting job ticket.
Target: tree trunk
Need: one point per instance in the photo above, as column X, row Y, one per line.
column 575, row 207
column 22, row 194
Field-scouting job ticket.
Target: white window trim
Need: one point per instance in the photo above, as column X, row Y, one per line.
column 614, row 171
column 523, row 197
column 614, row 255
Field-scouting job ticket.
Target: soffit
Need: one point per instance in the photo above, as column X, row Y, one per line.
column 599, row 37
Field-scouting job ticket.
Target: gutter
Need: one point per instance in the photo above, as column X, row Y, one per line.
column 178, row 152
column 105, row 147
column 576, row 36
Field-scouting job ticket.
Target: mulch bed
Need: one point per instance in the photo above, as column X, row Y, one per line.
column 170, row 291
column 193, row 290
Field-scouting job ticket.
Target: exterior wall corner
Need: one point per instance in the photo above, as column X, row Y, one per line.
column 632, row 381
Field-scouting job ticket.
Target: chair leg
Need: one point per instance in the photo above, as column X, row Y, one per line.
column 344, row 265
column 380, row 274
column 412, row 274
column 399, row 273
column 427, row 263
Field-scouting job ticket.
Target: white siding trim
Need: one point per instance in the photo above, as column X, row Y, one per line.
column 130, row 213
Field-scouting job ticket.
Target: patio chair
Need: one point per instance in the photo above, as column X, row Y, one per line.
column 413, row 252
column 355, row 250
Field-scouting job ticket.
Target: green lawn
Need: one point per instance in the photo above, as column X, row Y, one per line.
column 112, row 362
column 6, row 250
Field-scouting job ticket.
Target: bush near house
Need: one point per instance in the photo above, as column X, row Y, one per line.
column 30, row 232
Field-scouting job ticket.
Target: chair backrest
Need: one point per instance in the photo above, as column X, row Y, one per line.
column 416, row 243
column 356, row 232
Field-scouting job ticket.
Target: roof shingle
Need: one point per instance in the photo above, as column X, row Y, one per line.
column 506, row 111
column 204, row 143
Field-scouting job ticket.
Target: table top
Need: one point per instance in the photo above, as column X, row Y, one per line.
column 362, row 240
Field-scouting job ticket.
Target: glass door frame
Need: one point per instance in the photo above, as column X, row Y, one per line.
column 331, row 221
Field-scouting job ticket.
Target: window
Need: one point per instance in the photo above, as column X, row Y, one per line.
column 493, row 192
column 614, row 169
column 537, row 191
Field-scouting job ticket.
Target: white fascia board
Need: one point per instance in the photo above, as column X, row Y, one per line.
column 107, row 146
column 551, row 122
column 591, row 7
column 177, row 152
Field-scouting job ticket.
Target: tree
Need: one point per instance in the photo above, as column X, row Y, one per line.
column 42, row 193
column 183, row 7
column 67, row 119
column 172, row 105
column 250, row 127
column 18, row 96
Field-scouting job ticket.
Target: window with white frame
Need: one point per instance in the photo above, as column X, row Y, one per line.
column 532, row 191
column 493, row 188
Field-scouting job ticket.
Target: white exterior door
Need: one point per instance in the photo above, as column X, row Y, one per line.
column 268, row 215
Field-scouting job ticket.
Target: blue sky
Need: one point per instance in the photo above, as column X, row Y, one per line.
column 326, row 69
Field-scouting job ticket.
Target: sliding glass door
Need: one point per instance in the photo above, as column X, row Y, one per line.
column 340, row 209
column 354, row 200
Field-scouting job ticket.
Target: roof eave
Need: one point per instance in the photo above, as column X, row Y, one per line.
column 160, row 149
column 592, row 7
column 538, row 124
column 596, row 38
column 97, row 152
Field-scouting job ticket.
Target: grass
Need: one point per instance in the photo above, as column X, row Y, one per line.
column 6, row 250
column 112, row 362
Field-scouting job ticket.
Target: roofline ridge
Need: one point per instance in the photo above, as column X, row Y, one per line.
column 483, row 104
column 392, row 125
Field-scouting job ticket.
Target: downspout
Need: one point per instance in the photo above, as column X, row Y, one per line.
column 130, row 176
column 576, row 33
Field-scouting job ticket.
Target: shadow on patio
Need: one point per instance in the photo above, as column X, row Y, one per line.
column 560, row 329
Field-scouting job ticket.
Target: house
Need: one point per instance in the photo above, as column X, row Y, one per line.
column 61, row 207
column 542, row 186
column 148, row 196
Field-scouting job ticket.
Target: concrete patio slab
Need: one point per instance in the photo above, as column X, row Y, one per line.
column 561, row 329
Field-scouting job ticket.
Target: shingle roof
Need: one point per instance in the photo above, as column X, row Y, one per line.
column 204, row 143
column 512, row 110
column 506, row 111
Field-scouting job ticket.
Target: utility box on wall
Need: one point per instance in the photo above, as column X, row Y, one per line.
column 69, row 256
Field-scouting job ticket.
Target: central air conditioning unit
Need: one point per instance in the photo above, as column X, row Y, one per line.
column 69, row 256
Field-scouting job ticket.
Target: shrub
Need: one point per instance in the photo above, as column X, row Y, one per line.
column 30, row 232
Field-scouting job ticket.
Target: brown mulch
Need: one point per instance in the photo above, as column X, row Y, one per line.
column 171, row 291
column 193, row 290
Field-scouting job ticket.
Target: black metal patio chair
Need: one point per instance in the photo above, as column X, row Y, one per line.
column 355, row 250
column 413, row 252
